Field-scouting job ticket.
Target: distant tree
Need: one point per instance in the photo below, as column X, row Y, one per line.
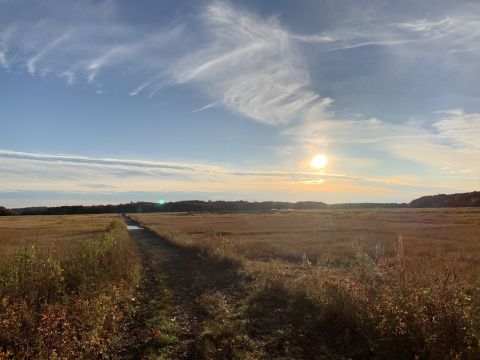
column 471, row 199
column 241, row 206
column 4, row 211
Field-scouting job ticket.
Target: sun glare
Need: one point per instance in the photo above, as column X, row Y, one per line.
column 319, row 161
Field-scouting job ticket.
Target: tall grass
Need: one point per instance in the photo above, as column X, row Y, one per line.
column 375, row 310
column 68, row 307
column 377, row 304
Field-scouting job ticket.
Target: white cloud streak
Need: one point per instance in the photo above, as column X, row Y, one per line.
column 31, row 63
column 28, row 171
column 140, row 88
column 251, row 66
column 7, row 154
column 457, row 31
column 206, row 107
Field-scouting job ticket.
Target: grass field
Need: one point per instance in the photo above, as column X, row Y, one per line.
column 355, row 283
column 361, row 284
column 65, row 286
column 60, row 233
column 333, row 238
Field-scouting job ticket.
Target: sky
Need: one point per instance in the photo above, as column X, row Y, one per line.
column 117, row 101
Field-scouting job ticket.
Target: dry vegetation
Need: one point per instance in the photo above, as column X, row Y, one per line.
column 362, row 284
column 65, row 286
column 62, row 233
column 394, row 284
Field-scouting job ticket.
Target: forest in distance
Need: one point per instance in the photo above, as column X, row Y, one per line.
column 470, row 199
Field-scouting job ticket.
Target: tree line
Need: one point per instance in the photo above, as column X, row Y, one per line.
column 471, row 199
column 176, row 206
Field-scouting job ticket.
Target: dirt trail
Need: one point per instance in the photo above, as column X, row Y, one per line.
column 171, row 297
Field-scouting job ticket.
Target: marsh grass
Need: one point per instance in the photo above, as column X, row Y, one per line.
column 67, row 306
column 365, row 297
column 60, row 234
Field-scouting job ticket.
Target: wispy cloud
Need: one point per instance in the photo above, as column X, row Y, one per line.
column 439, row 37
column 446, row 143
column 250, row 65
column 48, row 172
column 432, row 28
column 69, row 77
column 32, row 62
column 140, row 88
column 93, row 41
column 206, row 107
column 451, row 143
column 4, row 37
column 460, row 130
column 7, row 154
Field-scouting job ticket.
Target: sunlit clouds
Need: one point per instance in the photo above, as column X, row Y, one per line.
column 96, row 176
column 370, row 99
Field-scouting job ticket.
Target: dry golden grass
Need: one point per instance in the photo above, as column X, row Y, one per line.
column 65, row 286
column 61, row 233
column 333, row 236
column 348, row 283
column 358, row 284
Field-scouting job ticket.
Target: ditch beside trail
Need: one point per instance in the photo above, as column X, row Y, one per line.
column 180, row 297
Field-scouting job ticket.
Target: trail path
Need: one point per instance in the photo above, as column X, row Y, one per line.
column 170, row 298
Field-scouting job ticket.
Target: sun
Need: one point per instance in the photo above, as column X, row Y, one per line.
column 319, row 161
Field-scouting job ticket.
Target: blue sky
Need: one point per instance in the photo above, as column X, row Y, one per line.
column 113, row 101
